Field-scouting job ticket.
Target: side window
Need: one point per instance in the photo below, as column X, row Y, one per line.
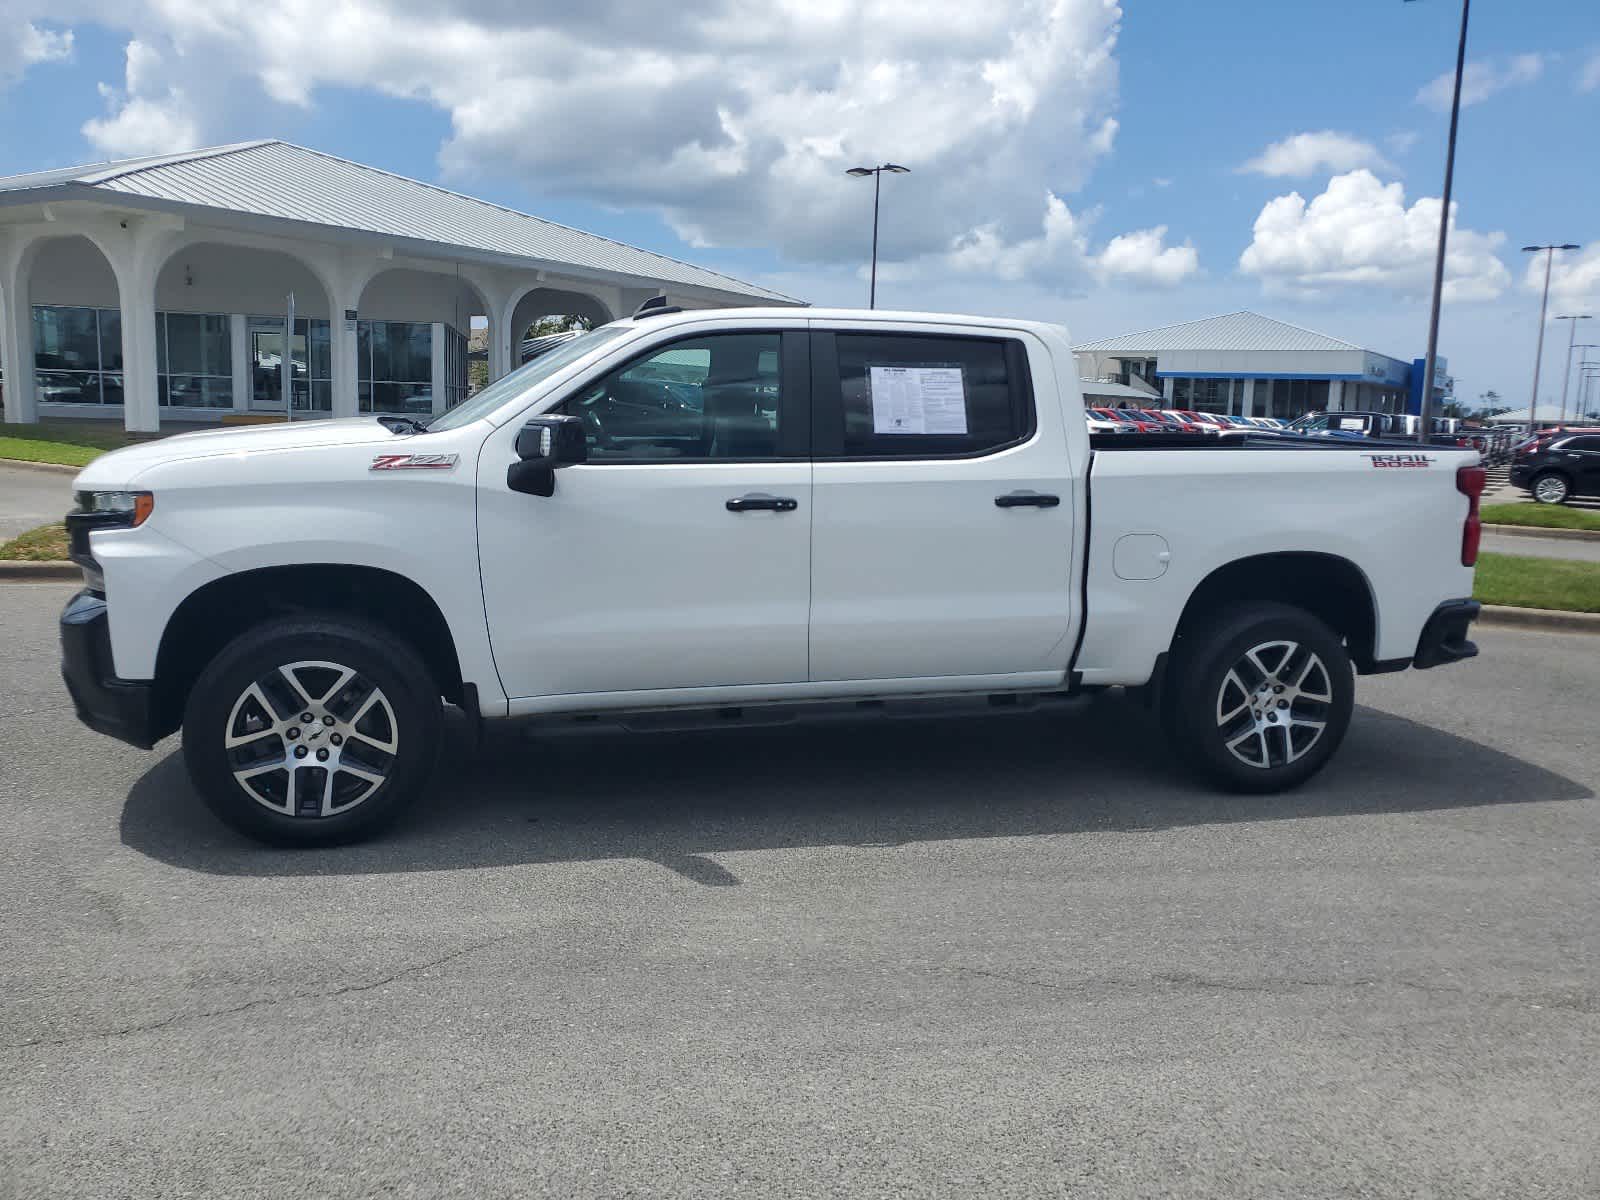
column 711, row 397
column 925, row 396
column 1590, row 444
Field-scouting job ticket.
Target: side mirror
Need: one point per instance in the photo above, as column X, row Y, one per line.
column 544, row 444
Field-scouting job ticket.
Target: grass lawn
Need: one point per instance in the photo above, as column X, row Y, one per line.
column 48, row 543
column 71, row 443
column 1542, row 516
column 1537, row 582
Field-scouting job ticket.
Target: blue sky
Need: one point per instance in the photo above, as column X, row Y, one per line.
column 1072, row 159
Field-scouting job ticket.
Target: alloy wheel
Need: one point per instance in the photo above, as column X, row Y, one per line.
column 1274, row 703
column 1550, row 490
column 311, row 739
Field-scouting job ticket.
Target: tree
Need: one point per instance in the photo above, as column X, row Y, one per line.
column 558, row 323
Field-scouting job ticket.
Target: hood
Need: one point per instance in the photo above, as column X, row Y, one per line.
column 120, row 468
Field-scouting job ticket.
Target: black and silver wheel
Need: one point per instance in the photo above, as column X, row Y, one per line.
column 311, row 732
column 1551, row 488
column 1261, row 698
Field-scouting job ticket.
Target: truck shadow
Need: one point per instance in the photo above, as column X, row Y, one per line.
column 676, row 799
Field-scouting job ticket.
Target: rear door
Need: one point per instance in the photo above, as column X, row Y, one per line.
column 1583, row 455
column 943, row 507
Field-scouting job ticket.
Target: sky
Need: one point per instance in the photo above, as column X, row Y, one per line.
column 1111, row 166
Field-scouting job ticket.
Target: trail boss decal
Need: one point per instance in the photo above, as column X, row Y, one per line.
column 1401, row 460
column 414, row 462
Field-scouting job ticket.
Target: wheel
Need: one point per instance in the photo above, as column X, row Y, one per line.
column 1260, row 698
column 1551, row 488
column 312, row 731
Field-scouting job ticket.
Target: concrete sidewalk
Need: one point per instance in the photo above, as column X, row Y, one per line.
column 30, row 498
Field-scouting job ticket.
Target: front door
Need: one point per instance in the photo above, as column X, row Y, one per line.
column 943, row 533
column 678, row 556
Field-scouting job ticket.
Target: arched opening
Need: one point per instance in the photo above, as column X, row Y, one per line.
column 412, row 341
column 545, row 311
column 220, row 343
column 75, row 340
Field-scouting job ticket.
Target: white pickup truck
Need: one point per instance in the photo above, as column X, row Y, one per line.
column 732, row 513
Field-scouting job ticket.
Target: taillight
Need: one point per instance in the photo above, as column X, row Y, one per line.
column 1469, row 482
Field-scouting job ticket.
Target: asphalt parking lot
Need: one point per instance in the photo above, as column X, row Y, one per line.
column 989, row 957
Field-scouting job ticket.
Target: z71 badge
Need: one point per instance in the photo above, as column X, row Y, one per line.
column 1400, row 460
column 414, row 462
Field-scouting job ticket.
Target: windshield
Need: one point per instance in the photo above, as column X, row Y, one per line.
column 524, row 377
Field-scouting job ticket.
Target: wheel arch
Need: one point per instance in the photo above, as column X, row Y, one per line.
column 1330, row 587
column 213, row 615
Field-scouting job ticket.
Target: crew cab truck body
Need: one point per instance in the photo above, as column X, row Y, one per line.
column 736, row 508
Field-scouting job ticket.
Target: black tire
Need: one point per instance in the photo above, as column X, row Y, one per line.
column 1557, row 488
column 1273, row 725
column 406, row 714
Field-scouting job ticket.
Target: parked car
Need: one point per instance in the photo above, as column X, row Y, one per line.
column 1127, row 417
column 1557, row 471
column 859, row 506
column 1098, row 424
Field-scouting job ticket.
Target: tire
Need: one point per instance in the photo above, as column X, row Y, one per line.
column 1551, row 488
column 292, row 694
column 1226, row 719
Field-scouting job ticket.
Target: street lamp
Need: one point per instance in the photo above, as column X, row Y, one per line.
column 1425, row 415
column 1544, row 305
column 877, row 185
column 1567, row 374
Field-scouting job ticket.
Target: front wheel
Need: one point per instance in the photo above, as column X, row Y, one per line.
column 1260, row 698
column 1551, row 489
column 312, row 732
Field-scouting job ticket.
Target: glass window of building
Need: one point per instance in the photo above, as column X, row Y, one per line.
column 311, row 365
column 77, row 354
column 394, row 366
column 194, row 360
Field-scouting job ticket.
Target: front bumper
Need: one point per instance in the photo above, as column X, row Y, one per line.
column 1520, row 476
column 119, row 708
column 1444, row 637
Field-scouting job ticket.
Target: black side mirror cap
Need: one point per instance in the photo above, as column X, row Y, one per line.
column 544, row 444
column 560, row 439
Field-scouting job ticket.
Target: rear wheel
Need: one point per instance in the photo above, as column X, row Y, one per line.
column 1260, row 699
column 311, row 732
column 1551, row 488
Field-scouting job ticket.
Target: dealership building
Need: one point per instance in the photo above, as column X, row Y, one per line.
column 1248, row 365
column 159, row 289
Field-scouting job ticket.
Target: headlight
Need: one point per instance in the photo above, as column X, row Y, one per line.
column 117, row 508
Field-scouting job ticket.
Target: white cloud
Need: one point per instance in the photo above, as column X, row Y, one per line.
column 1360, row 233
column 1481, row 80
column 1401, row 141
column 28, row 46
column 1142, row 257
column 146, row 116
column 1574, row 279
column 1589, row 76
column 734, row 119
column 1315, row 153
column 1060, row 255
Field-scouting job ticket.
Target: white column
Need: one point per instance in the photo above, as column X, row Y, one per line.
column 1335, row 395
column 16, row 334
column 344, row 341
column 1166, row 391
column 136, row 290
column 239, row 347
column 440, row 376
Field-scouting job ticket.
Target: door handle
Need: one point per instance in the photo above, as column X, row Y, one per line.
column 1025, row 499
column 760, row 500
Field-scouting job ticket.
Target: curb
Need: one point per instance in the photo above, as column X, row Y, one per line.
column 39, row 572
column 1534, row 531
column 55, row 468
column 1503, row 616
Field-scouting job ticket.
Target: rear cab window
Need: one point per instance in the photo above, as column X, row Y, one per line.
column 890, row 395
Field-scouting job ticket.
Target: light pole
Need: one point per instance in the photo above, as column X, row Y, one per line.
column 877, row 185
column 1425, row 416
column 1566, row 376
column 1544, row 306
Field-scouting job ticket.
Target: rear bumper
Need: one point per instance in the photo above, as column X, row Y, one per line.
column 115, row 707
column 1444, row 637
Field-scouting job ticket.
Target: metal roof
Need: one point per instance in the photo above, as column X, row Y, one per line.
column 280, row 180
column 1232, row 331
column 1116, row 391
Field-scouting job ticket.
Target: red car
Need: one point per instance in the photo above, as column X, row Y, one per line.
column 1132, row 416
column 1177, row 422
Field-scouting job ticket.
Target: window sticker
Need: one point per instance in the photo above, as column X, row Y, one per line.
column 918, row 400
